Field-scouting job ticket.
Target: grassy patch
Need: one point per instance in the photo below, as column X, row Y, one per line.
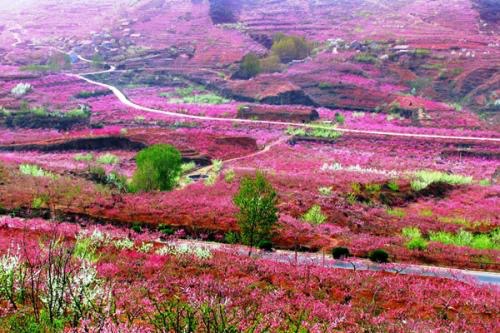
column 415, row 239
column 397, row 212
column 108, row 159
column 365, row 58
column 35, row 171
column 316, row 131
column 424, row 178
column 314, row 215
column 482, row 241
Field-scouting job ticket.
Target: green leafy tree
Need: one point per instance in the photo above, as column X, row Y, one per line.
column 158, row 168
column 289, row 48
column 250, row 66
column 256, row 200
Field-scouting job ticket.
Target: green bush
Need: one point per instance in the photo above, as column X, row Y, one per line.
column 35, row 171
column 289, row 48
column 266, row 245
column 97, row 174
column 393, row 186
column 314, row 215
column 250, row 66
column 94, row 93
column 158, row 168
column 165, row 229
column 398, row 212
column 365, row 58
column 108, row 158
column 229, row 176
column 84, row 157
column 379, row 256
column 117, row 180
column 416, row 241
column 340, row 252
column 489, row 241
column 82, row 112
column 325, row 85
column 136, row 227
column 340, row 119
column 270, row 64
column 424, row 178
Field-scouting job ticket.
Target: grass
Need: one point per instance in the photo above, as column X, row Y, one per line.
column 194, row 95
column 84, row 157
column 397, row 212
column 108, row 159
column 415, row 239
column 463, row 221
column 422, row 179
column 481, row 241
column 317, row 131
column 365, row 58
column 186, row 167
column 34, row 171
column 314, row 215
column 426, row 212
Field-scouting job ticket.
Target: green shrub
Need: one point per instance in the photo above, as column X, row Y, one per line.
column 417, row 244
column 136, row 227
column 393, row 186
column 35, row 171
column 266, row 245
column 340, row 252
column 339, row 118
column 325, row 85
column 464, row 238
column 186, row 167
column 250, row 66
column 117, row 180
column 82, row 112
column 165, row 229
column 271, row 64
column 97, row 174
column 84, row 157
column 94, row 93
column 314, row 215
column 424, row 178
column 229, row 176
column 379, row 256
column 373, row 188
column 108, row 158
column 398, row 212
column 39, row 202
column 422, row 53
column 416, row 241
column 158, row 168
column 426, row 213
column 289, row 48
column 365, row 58
column 485, row 182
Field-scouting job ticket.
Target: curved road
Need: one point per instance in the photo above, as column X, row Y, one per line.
column 125, row 101
column 320, row 260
